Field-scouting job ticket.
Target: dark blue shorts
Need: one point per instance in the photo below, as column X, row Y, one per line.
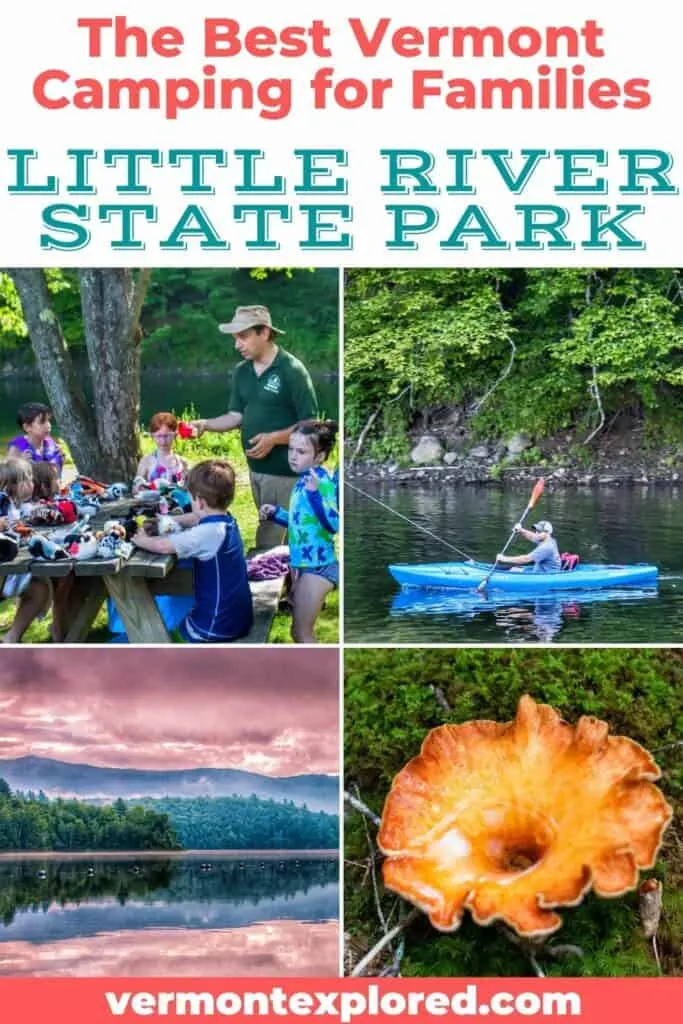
column 328, row 572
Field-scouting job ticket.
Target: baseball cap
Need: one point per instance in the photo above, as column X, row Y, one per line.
column 543, row 526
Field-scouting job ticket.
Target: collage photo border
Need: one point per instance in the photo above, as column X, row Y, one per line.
column 356, row 649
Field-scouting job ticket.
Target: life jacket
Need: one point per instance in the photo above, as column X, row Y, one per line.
column 568, row 561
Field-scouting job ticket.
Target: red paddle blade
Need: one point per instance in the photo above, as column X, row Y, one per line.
column 537, row 492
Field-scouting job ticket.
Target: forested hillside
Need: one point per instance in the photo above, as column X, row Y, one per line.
column 33, row 822
column 235, row 823
column 590, row 352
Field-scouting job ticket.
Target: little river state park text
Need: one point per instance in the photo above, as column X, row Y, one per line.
column 211, row 199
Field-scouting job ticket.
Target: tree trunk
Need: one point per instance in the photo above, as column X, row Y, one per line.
column 104, row 439
column 59, row 377
column 111, row 303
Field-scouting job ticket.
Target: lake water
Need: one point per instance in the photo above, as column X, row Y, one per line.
column 608, row 524
column 239, row 916
column 209, row 395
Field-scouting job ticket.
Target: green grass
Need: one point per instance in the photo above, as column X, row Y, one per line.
column 390, row 707
column 226, row 446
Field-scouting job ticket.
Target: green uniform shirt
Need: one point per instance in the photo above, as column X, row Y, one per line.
column 279, row 398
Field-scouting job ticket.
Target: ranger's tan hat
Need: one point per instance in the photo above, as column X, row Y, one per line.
column 249, row 316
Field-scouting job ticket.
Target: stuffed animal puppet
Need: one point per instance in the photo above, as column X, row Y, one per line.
column 45, row 549
column 114, row 492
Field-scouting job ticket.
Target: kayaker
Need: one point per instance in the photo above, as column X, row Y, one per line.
column 546, row 555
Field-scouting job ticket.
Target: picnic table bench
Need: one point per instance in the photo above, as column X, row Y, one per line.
column 132, row 584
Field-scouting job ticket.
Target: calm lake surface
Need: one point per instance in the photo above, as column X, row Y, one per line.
column 635, row 524
column 217, row 915
column 209, row 395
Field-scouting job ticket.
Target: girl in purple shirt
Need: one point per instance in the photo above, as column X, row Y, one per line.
column 36, row 444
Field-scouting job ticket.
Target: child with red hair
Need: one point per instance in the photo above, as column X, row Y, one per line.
column 163, row 463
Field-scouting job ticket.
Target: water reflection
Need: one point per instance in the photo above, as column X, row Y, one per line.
column 275, row 949
column 541, row 618
column 128, row 916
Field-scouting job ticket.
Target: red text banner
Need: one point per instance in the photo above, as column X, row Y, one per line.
column 106, row 1000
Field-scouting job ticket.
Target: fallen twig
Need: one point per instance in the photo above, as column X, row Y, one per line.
column 595, row 392
column 373, row 874
column 358, row 805
column 511, row 362
column 371, row 419
column 668, row 746
column 561, row 951
column 382, row 943
column 440, row 698
column 363, row 434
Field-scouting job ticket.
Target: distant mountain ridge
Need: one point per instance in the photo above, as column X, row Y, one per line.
column 91, row 783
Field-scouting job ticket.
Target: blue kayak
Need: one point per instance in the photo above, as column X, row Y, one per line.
column 468, row 576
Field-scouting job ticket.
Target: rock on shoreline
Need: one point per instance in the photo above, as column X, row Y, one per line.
column 616, row 461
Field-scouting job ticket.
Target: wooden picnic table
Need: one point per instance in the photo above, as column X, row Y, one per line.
column 132, row 584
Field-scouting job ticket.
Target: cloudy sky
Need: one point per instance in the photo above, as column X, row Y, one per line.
column 273, row 711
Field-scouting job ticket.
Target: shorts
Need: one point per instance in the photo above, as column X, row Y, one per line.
column 327, row 572
column 15, row 585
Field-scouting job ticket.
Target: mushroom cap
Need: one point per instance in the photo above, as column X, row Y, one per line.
column 510, row 820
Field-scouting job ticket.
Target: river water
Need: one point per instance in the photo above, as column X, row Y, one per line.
column 207, row 915
column 606, row 524
column 208, row 394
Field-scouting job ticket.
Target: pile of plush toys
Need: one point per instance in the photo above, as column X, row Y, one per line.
column 71, row 513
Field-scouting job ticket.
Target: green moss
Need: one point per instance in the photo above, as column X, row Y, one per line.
column 390, row 706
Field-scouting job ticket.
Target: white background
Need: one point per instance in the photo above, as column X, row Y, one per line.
column 639, row 42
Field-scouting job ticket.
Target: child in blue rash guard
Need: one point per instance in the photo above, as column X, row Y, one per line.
column 210, row 536
column 312, row 521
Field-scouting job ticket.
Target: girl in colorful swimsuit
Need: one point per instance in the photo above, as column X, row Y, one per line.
column 163, row 463
column 312, row 522
column 36, row 444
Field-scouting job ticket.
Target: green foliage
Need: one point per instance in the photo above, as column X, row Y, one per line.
column 390, row 707
column 247, row 823
column 63, row 288
column 35, row 823
column 443, row 337
column 183, row 308
column 416, row 330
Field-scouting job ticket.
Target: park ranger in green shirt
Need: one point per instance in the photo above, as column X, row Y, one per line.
column 271, row 392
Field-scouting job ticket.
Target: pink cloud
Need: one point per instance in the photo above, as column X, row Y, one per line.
column 175, row 708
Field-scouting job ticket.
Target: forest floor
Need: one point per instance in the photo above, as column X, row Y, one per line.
column 394, row 697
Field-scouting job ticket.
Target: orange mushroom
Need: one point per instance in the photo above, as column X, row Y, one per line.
column 512, row 819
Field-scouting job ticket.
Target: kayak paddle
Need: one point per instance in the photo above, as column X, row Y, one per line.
column 535, row 495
